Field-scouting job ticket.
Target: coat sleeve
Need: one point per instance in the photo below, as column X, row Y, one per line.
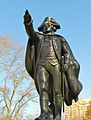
column 67, row 52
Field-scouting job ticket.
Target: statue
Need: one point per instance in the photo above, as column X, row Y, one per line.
column 51, row 63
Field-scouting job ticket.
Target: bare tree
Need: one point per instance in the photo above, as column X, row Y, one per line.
column 16, row 87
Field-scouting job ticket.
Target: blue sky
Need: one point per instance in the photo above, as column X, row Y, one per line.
column 74, row 17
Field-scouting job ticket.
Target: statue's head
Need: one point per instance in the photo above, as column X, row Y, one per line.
column 49, row 25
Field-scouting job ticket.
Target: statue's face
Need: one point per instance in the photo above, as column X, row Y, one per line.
column 48, row 28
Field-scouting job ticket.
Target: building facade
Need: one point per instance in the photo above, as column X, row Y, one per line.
column 79, row 110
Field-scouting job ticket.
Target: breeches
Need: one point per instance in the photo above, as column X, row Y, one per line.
column 49, row 78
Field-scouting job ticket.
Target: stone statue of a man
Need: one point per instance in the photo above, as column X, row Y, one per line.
column 50, row 62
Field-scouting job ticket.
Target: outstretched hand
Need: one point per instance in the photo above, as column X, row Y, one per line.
column 27, row 17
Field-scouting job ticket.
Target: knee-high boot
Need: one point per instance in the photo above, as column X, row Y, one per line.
column 58, row 106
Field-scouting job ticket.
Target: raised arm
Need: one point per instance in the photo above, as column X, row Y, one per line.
column 28, row 22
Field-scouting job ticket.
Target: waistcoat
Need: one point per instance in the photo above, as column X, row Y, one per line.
column 47, row 52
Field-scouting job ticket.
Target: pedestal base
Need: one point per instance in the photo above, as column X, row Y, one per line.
column 45, row 116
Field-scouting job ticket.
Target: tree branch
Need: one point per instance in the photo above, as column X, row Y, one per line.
column 21, row 107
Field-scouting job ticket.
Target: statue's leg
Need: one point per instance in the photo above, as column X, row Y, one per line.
column 57, row 91
column 42, row 78
column 56, row 80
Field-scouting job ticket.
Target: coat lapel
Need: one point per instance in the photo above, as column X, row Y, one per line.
column 57, row 47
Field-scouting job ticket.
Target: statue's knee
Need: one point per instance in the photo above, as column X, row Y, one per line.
column 44, row 92
column 58, row 92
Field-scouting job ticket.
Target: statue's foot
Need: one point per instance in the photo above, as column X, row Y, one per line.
column 58, row 117
column 45, row 116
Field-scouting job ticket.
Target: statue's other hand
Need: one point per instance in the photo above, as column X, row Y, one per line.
column 27, row 17
column 65, row 67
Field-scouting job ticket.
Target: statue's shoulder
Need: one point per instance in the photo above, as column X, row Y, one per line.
column 61, row 38
column 40, row 35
